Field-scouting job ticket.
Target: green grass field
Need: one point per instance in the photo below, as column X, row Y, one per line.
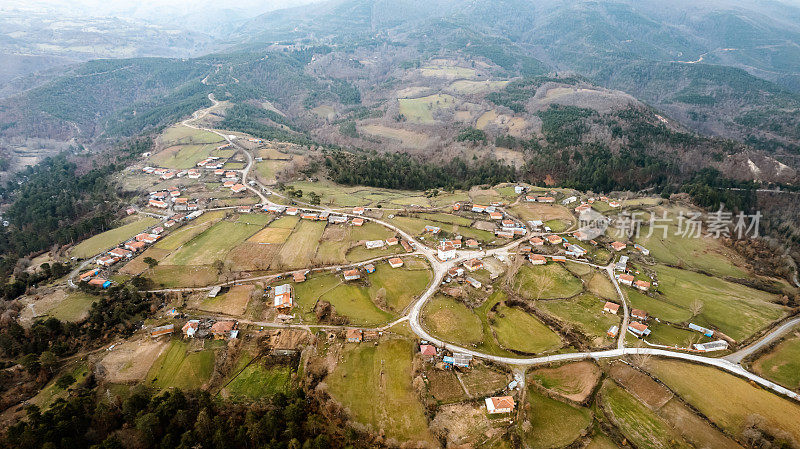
column 585, row 313
column 552, row 423
column 726, row 399
column 373, row 383
column 178, row 368
column 516, row 329
column 421, row 110
column 212, row 244
column 74, row 307
column 257, row 381
column 453, row 225
column 782, row 364
column 546, row 281
column 452, row 321
column 173, row 276
column 175, row 239
column 736, row 310
column 492, row 332
column 184, row 156
column 110, row 238
column 703, row 253
column 180, row 134
column 402, row 284
column 269, row 168
column 637, row 422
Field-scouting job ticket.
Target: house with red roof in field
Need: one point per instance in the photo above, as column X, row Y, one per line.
column 107, row 261
column 395, row 262
column 354, row 335
column 428, row 352
column 358, row 221
column 238, row 188
column 291, row 211
column 89, row 274
column 223, row 329
column 639, row 329
column 536, row 241
column 472, row 243
column 157, row 203
column 351, row 275
column 446, row 251
column 358, row 210
column 496, row 215
column 229, row 184
column 639, row 314
column 473, row 265
column 230, row 174
column 121, row 253
column 100, row 282
column 546, row 199
column 135, row 245
column 611, row 307
column 626, row 279
column 299, row 276
column 499, row 404
column 392, row 241
column 554, row 239
column 456, row 207
column 561, row 259
column 538, row 259
column 618, row 246
column 283, row 297
column 642, row 285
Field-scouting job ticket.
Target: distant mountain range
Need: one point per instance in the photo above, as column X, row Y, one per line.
column 725, row 69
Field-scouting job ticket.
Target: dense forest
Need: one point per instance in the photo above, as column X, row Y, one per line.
column 178, row 420
column 402, row 171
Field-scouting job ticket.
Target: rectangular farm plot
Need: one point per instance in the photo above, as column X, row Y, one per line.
column 181, row 134
column 736, row 310
column 422, row 110
column 212, row 244
column 181, row 157
column 255, row 380
column 727, row 400
column 301, row 245
column 400, row 285
column 106, row 240
column 374, row 383
column 180, row 367
column 233, row 302
column 521, row 331
column 271, row 235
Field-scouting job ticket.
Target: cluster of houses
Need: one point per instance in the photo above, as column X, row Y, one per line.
column 375, row 244
column 92, row 277
column 469, row 266
column 637, row 328
column 161, row 200
column 358, row 335
column 166, row 174
column 507, row 227
column 218, row 330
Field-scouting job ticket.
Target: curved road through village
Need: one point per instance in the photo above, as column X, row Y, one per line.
column 731, row 363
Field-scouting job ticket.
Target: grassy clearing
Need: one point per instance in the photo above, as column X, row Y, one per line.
column 374, row 385
column 452, row 321
column 233, row 302
column 726, row 399
column 74, row 307
column 180, row 134
column 782, row 364
column 574, row 381
column 361, row 253
column 736, row 310
column 552, row 423
column 181, row 157
column 585, row 312
column 483, row 381
column 271, row 235
column 405, row 137
column 600, row 285
column 421, row 110
column 542, row 211
column 285, row 221
column 268, row 169
column 256, row 380
column 703, row 253
column 494, row 332
column 52, row 392
column 637, row 422
column 546, row 282
column 180, row 236
column 519, row 330
column 212, row 244
column 402, row 284
column 173, row 276
column 113, row 237
column 301, row 245
column 476, row 87
column 178, row 367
